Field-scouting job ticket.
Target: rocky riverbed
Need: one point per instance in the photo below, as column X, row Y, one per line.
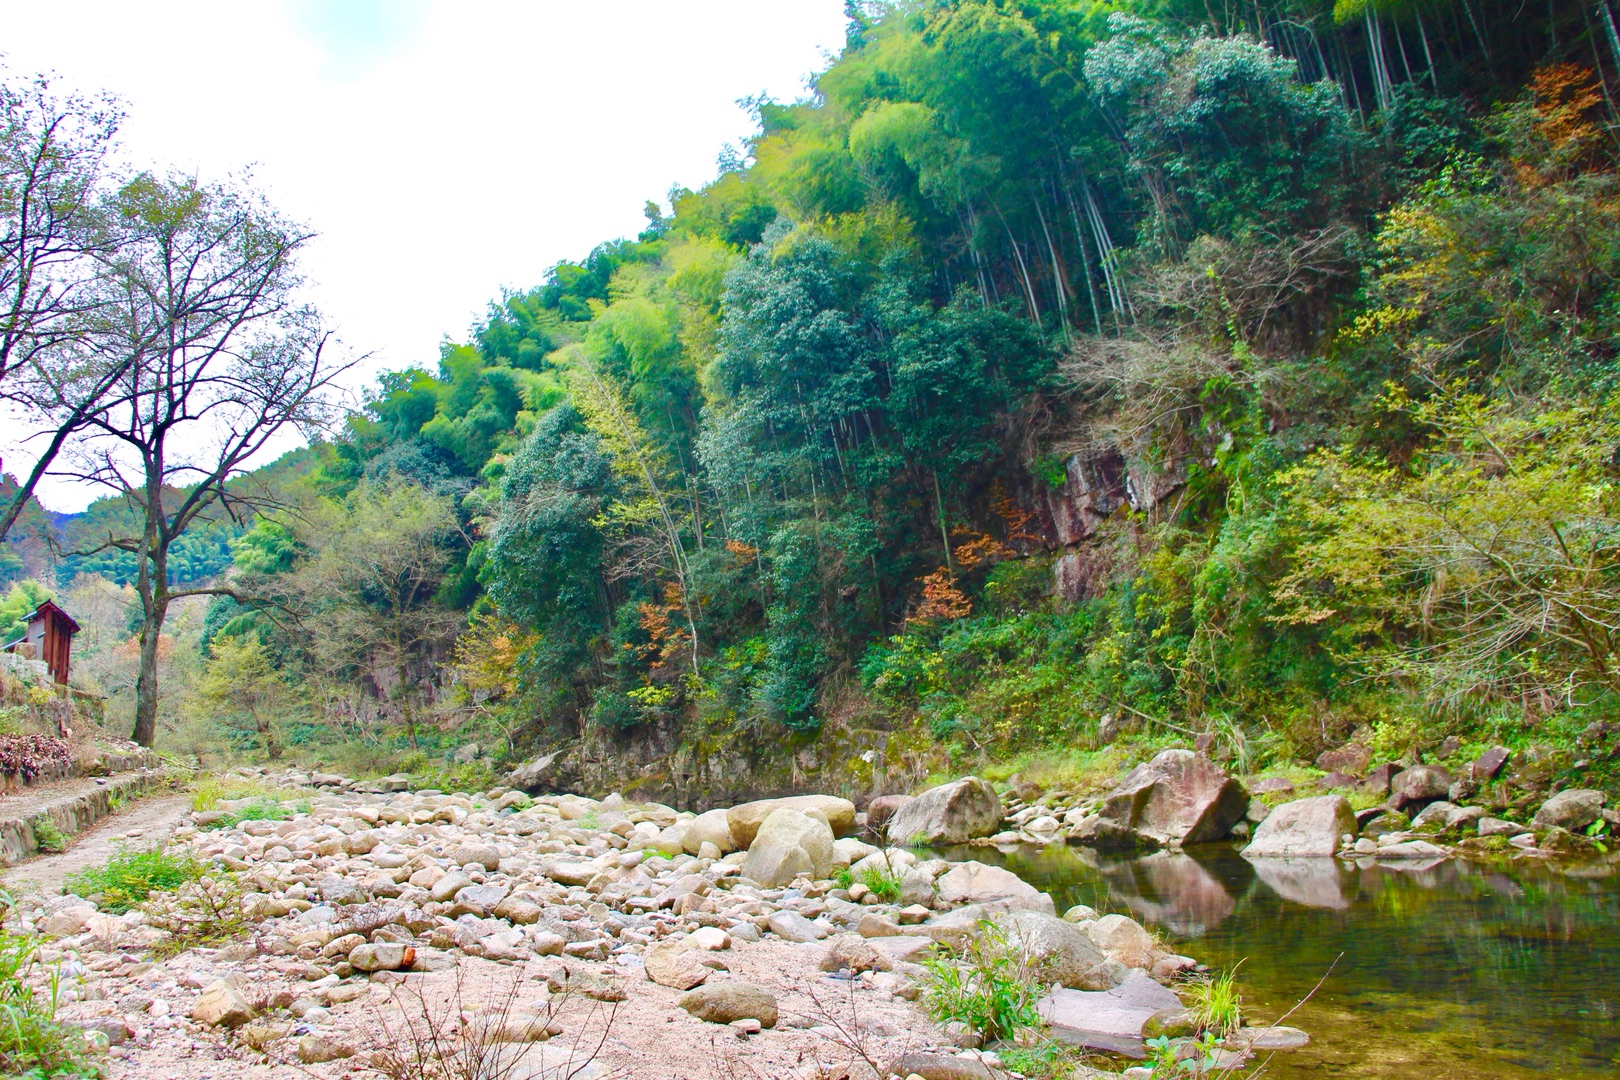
column 588, row 938
column 359, row 925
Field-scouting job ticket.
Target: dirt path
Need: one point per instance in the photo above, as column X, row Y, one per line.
column 147, row 823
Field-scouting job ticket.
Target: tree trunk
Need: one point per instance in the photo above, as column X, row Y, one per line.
column 146, row 683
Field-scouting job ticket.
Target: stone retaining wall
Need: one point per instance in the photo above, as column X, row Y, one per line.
column 103, row 763
column 73, row 813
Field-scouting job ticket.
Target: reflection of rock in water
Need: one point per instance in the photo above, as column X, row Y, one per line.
column 1172, row 890
column 1318, row 883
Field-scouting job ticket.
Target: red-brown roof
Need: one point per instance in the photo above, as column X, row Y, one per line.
column 48, row 606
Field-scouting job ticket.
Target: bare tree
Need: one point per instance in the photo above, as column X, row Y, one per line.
column 367, row 588
column 218, row 357
column 53, row 160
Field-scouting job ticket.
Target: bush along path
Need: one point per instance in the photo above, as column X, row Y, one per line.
column 328, row 931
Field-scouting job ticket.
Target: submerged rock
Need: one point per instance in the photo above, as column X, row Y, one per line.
column 991, row 886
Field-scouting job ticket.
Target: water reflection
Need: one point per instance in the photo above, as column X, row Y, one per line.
column 1453, row 969
column 1172, row 890
column 1317, row 883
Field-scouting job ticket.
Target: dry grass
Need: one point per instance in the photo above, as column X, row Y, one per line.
column 433, row 1035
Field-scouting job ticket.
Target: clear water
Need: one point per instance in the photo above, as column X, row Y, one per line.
column 1457, row 970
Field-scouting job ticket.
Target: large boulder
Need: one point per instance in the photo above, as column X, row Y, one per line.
column 222, row 1004
column 674, row 964
column 881, row 809
column 745, row 820
column 1180, row 797
column 1305, row 827
column 557, row 771
column 991, row 886
column 1058, row 952
column 730, row 1001
column 949, row 814
column 1574, row 809
column 788, row 844
column 1417, row 787
column 712, row 827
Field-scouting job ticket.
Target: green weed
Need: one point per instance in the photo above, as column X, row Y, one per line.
column 32, row 1043
column 1216, row 1003
column 130, row 876
column 209, row 792
column 884, row 884
column 46, row 834
column 264, row 808
column 988, row 993
column 1166, row 1056
column 1044, row 1060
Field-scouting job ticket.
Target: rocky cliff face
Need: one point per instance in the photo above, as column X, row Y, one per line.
column 1097, row 484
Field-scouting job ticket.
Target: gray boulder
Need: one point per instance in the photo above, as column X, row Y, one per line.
column 1056, row 951
column 1179, row 797
column 788, row 844
column 1574, row 809
column 1419, row 786
column 1305, row 827
column 881, row 809
column 949, row 814
column 711, row 827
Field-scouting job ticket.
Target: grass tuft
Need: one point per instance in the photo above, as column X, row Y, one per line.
column 129, row 877
column 1216, row 1003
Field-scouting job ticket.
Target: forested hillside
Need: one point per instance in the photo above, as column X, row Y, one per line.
column 1052, row 369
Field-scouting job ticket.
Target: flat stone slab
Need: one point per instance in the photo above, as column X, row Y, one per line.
column 1107, row 1019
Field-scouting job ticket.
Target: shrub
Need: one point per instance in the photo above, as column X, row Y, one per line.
column 46, row 835
column 988, row 992
column 202, row 912
column 130, row 876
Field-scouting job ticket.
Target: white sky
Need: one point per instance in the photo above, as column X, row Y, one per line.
column 442, row 151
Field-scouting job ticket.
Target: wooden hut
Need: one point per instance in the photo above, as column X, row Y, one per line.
column 49, row 638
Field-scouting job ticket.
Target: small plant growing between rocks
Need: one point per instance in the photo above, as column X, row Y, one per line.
column 47, row 835
column 1216, row 1003
column 988, row 992
column 129, row 877
column 204, row 912
column 32, row 1042
column 1183, row 1057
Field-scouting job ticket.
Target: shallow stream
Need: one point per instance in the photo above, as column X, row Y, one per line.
column 1456, row 970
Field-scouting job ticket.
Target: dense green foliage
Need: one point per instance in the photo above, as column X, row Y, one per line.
column 1242, row 372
